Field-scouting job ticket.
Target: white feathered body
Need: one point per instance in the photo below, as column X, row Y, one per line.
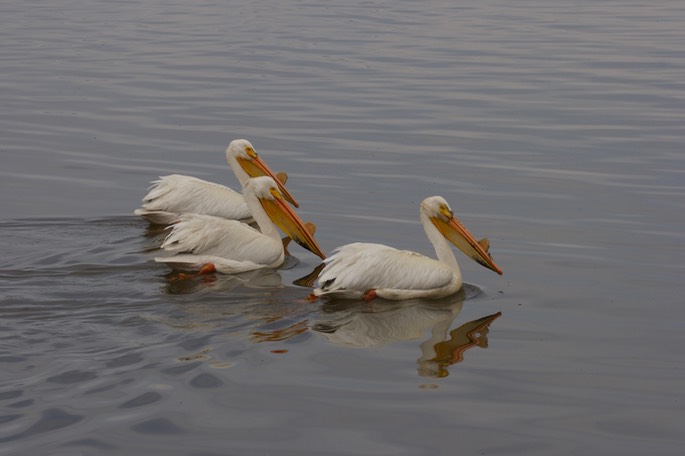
column 363, row 270
column 177, row 194
column 232, row 246
column 394, row 274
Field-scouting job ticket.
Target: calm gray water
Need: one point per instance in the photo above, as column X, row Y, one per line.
column 556, row 129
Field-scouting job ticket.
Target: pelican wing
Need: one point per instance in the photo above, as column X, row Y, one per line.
column 359, row 267
column 208, row 236
column 177, row 194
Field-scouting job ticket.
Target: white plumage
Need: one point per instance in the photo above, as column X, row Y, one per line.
column 197, row 240
column 176, row 194
column 363, row 270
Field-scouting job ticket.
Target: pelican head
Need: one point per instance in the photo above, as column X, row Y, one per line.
column 438, row 211
column 242, row 153
column 267, row 191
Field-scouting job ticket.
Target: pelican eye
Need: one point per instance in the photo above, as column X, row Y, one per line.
column 446, row 212
column 250, row 152
column 275, row 193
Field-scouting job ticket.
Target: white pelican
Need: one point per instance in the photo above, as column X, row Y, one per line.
column 176, row 194
column 365, row 271
column 209, row 243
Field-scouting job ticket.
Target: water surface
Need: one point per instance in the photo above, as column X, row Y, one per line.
column 555, row 130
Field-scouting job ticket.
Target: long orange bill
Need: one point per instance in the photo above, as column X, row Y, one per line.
column 455, row 232
column 288, row 221
column 256, row 167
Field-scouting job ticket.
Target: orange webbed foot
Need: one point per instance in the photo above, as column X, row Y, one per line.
column 208, row 268
column 369, row 295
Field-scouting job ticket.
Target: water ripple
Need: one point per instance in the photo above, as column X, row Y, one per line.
column 553, row 128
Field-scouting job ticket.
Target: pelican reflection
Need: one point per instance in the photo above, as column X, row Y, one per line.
column 437, row 357
column 180, row 282
column 350, row 324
